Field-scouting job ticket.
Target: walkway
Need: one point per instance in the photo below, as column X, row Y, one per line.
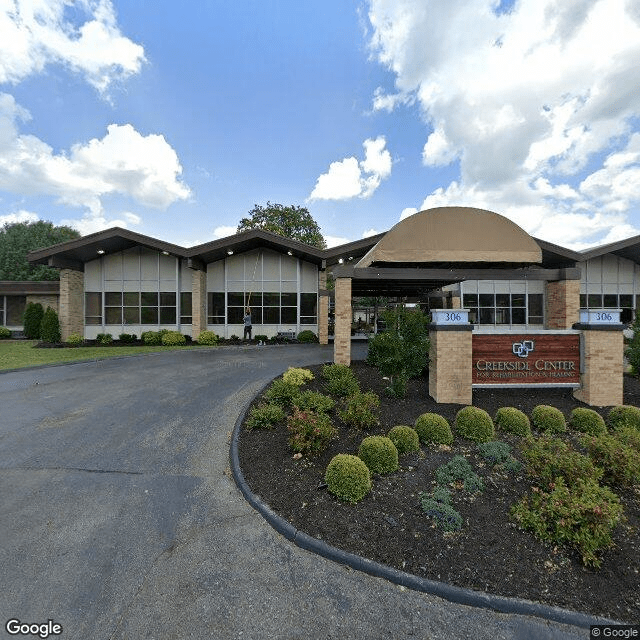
column 120, row 518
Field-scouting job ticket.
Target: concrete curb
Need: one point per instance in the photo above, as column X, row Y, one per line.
column 458, row 595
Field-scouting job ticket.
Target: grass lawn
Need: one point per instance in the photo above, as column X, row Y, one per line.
column 18, row 354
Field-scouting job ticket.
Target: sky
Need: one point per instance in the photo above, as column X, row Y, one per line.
column 174, row 119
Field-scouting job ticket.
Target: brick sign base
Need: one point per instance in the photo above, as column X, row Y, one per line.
column 537, row 359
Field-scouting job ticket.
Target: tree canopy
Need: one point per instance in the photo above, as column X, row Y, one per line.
column 17, row 239
column 290, row 222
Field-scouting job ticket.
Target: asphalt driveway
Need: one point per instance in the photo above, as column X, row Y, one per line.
column 120, row 519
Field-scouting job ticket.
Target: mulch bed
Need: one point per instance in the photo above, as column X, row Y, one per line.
column 490, row 553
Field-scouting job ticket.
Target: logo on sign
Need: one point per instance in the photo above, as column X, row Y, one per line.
column 523, row 349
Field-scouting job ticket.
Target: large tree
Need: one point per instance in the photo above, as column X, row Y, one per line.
column 17, row 239
column 291, row 222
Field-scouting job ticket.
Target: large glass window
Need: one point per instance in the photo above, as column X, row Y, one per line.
column 93, row 307
column 130, row 308
column 308, row 308
column 504, row 308
column 186, row 315
column 15, row 306
column 215, row 302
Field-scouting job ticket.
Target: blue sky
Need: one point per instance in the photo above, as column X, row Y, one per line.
column 174, row 119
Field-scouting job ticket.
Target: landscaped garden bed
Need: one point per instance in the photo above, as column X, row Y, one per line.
column 392, row 523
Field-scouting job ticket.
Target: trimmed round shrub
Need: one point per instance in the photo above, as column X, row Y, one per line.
column 127, row 338
column 265, row 416
column 50, row 327
column 405, row 438
column 340, row 380
column 32, row 319
column 624, row 415
column 433, row 429
column 313, row 401
column 587, row 421
column 361, row 410
column 348, row 478
column 104, row 338
column 475, row 424
column 548, row 419
column 307, row 336
column 628, row 436
column 151, row 338
column 513, row 420
column 4, row 333
column 282, row 393
column 75, row 340
column 208, row 338
column 173, row 339
column 297, row 376
column 379, row 454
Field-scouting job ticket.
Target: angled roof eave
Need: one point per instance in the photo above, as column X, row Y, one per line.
column 628, row 248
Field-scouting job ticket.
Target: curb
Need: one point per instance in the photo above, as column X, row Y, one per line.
column 457, row 595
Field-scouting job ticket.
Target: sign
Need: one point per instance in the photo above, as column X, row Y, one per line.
column 600, row 316
column 537, row 359
column 450, row 316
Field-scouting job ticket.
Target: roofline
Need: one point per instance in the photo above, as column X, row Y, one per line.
column 562, row 251
column 610, row 247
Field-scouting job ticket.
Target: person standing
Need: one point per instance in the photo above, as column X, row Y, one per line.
column 247, row 323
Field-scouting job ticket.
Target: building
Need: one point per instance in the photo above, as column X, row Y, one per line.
column 118, row 281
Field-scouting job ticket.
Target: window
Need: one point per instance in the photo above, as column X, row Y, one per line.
column 92, row 307
column 15, row 306
column 215, row 305
column 186, row 316
column 504, row 308
column 308, row 308
column 129, row 307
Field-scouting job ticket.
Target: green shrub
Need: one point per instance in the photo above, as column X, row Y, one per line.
column 475, row 424
column 549, row 458
column 438, row 507
column 104, row 338
column 548, row 419
column 307, row 336
column 208, row 338
column 151, row 338
column 624, row 415
column 297, row 376
column 628, row 436
column 458, row 469
column 401, row 351
column 587, row 421
column 265, row 416
column 261, row 337
column 620, row 462
column 127, row 338
column 32, row 319
column 4, row 333
column 282, row 393
column 313, row 401
column 405, row 438
column 75, row 340
column 379, row 454
column 234, row 338
column 513, row 420
column 309, row 432
column 582, row 516
column 173, row 339
column 340, row 380
column 348, row 478
column 433, row 429
column 495, row 452
column 360, row 410
column 50, row 327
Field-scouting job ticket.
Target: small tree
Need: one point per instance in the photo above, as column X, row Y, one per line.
column 50, row 327
column 401, row 351
column 633, row 350
column 32, row 319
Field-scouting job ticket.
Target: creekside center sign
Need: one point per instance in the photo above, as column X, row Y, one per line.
column 537, row 359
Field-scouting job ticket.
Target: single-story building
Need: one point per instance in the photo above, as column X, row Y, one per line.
column 118, row 281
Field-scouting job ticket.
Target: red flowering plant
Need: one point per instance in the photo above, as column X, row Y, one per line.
column 309, row 432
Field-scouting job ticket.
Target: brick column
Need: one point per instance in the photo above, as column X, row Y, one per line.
column 71, row 304
column 322, row 279
column 562, row 304
column 601, row 373
column 342, row 341
column 456, row 303
column 450, row 365
column 323, row 319
column 198, row 303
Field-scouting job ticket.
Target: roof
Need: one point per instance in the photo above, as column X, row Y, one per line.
column 29, row 287
column 454, row 235
column 628, row 248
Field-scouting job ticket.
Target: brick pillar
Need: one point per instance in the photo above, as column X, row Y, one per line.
column 342, row 340
column 456, row 303
column 323, row 319
column 450, row 365
column 71, row 304
column 563, row 304
column 198, row 303
column 322, row 279
column 602, row 367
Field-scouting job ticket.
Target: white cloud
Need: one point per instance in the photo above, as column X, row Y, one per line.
column 123, row 162
column 92, row 223
column 224, row 232
column 18, row 217
column 370, row 232
column 35, row 33
column 335, row 241
column 529, row 102
column 349, row 178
